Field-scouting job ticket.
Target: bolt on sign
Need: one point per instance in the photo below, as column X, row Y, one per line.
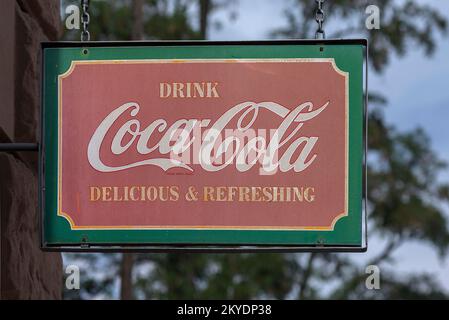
column 203, row 145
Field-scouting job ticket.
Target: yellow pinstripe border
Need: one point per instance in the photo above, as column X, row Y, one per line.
column 73, row 226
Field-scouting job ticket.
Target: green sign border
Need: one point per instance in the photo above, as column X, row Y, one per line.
column 349, row 56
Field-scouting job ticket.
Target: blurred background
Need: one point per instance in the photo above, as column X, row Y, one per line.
column 408, row 137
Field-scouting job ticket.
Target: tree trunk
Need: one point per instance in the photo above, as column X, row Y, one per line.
column 204, row 13
column 126, row 290
column 137, row 31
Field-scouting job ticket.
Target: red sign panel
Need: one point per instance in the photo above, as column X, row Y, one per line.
column 193, row 144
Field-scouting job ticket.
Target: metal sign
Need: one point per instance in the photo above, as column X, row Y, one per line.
column 203, row 145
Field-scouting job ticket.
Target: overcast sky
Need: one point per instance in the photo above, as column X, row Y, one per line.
column 417, row 89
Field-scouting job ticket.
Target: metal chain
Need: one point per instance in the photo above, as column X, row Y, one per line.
column 85, row 19
column 319, row 18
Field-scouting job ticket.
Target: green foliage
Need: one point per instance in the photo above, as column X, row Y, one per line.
column 404, row 194
column 403, row 185
column 218, row 276
column 98, row 275
column 405, row 25
column 162, row 19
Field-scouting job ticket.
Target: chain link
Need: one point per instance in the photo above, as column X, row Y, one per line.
column 85, row 19
column 319, row 18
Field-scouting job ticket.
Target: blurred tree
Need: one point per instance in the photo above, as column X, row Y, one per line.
column 402, row 24
column 150, row 19
column 404, row 195
column 99, row 275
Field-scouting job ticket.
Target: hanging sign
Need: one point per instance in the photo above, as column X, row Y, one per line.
column 203, row 145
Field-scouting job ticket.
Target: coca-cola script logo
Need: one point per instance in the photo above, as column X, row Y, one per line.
column 194, row 144
column 178, row 140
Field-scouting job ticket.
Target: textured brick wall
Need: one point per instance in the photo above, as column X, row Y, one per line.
column 26, row 271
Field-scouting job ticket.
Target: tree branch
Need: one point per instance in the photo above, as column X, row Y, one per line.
column 306, row 276
column 387, row 251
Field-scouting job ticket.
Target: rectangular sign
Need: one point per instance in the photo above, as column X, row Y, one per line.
column 203, row 145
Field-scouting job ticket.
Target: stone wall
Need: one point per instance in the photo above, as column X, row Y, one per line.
column 26, row 271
